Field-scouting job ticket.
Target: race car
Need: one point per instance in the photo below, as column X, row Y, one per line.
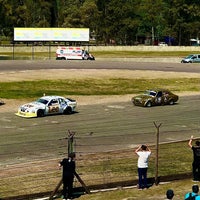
column 155, row 98
column 47, row 105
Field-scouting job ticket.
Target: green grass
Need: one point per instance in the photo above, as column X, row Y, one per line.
column 109, row 167
column 115, row 86
column 156, row 192
column 174, row 158
column 129, row 54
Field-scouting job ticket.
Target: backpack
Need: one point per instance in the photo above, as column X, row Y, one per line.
column 191, row 197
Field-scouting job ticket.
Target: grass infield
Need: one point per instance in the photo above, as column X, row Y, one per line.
column 110, row 86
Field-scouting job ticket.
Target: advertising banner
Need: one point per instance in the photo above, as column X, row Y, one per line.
column 51, row 34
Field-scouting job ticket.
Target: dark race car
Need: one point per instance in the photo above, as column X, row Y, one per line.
column 155, row 98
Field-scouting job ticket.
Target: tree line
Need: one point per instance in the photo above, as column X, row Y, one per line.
column 120, row 22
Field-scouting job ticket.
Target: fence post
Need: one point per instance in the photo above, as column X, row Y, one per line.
column 157, row 148
column 71, row 148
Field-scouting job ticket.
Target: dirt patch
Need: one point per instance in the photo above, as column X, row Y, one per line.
column 51, row 74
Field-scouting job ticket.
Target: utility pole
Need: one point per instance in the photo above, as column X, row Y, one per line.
column 153, row 36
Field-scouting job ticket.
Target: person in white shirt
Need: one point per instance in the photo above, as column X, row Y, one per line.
column 143, row 152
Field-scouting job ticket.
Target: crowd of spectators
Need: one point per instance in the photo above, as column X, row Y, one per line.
column 192, row 195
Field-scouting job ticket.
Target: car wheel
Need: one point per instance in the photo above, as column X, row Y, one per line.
column 40, row 113
column 171, row 102
column 148, row 104
column 68, row 110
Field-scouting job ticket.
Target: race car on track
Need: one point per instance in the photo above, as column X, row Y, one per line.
column 47, row 105
column 155, row 98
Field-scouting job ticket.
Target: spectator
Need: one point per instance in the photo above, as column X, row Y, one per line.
column 83, row 54
column 170, row 194
column 194, row 194
column 143, row 153
column 68, row 165
column 196, row 159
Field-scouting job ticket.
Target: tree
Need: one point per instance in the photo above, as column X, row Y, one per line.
column 184, row 18
column 90, row 16
column 69, row 14
column 112, row 21
column 118, row 21
column 152, row 18
column 6, row 14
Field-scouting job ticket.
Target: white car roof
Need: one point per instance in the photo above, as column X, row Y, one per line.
column 51, row 97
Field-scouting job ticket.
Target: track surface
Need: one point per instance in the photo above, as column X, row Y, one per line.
column 102, row 127
column 16, row 65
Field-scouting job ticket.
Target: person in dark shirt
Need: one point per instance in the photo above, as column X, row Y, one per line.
column 196, row 159
column 68, row 165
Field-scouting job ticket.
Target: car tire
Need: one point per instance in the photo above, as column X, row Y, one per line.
column 148, row 104
column 68, row 110
column 40, row 113
column 171, row 102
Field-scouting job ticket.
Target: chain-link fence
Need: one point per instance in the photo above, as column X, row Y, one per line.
column 98, row 169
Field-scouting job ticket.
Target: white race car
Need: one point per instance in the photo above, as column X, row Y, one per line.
column 47, row 105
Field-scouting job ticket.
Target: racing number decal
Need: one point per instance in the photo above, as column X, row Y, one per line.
column 53, row 109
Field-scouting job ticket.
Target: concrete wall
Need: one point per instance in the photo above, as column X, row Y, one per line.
column 103, row 48
column 145, row 48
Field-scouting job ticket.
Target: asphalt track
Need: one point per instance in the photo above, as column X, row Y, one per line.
column 16, row 65
column 102, row 127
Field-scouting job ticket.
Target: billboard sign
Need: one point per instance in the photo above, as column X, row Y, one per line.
column 51, row 34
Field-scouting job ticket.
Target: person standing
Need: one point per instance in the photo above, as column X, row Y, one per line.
column 196, row 159
column 68, row 165
column 143, row 152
